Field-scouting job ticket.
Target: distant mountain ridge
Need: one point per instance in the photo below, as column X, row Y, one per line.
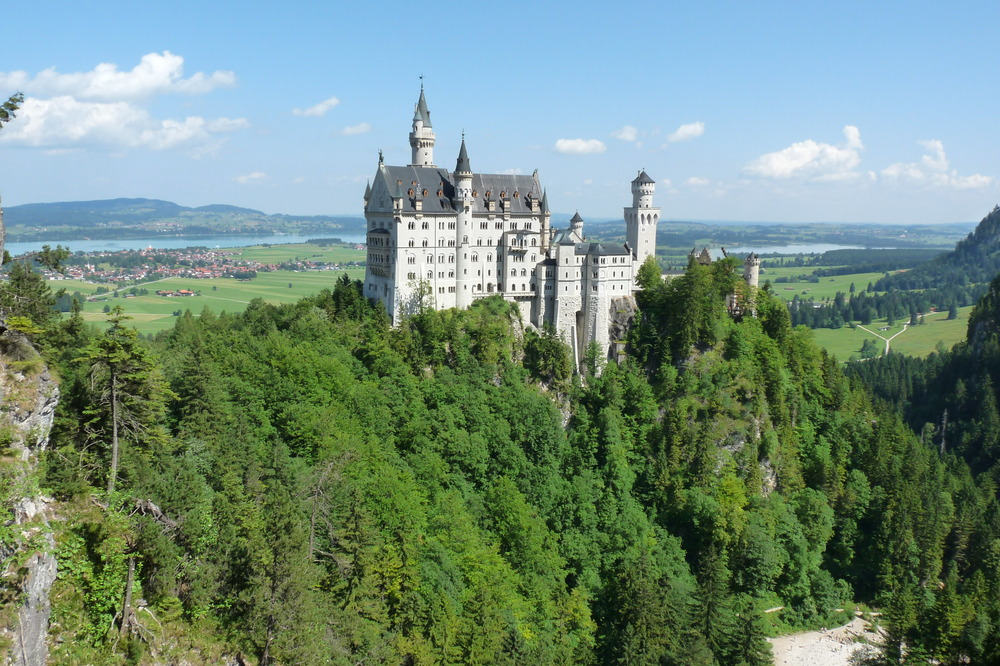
column 137, row 217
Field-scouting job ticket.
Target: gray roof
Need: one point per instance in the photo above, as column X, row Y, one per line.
column 643, row 178
column 463, row 166
column 434, row 179
column 601, row 249
column 422, row 111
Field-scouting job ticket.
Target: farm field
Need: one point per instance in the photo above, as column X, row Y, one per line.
column 915, row 341
column 152, row 313
column 827, row 287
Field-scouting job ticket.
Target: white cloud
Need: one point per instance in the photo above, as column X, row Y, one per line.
column 511, row 172
column 156, row 74
column 665, row 182
column 63, row 122
column 687, row 132
column 253, row 177
column 933, row 169
column 360, row 128
column 626, row 133
column 697, row 181
column 318, row 110
column 810, row 160
column 104, row 107
column 580, row 146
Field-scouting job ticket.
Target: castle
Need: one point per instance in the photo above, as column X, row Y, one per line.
column 442, row 239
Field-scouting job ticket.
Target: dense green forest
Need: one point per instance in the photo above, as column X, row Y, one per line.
column 304, row 484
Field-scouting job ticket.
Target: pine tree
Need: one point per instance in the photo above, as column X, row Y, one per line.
column 128, row 392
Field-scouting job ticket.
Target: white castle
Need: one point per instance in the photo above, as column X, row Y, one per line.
column 443, row 239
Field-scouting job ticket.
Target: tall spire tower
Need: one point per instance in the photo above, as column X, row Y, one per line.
column 462, row 203
column 641, row 218
column 422, row 134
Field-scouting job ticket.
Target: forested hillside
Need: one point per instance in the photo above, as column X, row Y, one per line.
column 953, row 279
column 303, row 484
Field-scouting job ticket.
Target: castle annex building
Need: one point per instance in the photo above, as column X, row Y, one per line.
column 444, row 238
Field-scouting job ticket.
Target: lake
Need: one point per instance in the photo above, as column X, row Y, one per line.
column 814, row 248
column 109, row 245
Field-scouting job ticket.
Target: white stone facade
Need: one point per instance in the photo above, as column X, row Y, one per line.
column 444, row 239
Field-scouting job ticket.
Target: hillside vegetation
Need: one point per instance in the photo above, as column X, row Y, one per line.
column 303, row 484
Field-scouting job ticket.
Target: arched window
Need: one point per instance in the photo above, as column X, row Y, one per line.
column 411, row 242
column 425, row 242
column 410, row 224
column 423, row 225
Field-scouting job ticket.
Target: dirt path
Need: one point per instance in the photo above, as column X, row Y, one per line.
column 833, row 647
column 892, row 337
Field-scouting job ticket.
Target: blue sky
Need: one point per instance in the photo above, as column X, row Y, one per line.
column 767, row 111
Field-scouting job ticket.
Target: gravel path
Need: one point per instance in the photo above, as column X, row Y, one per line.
column 833, row 647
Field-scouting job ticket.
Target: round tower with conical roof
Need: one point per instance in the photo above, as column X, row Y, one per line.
column 641, row 218
column 422, row 134
column 462, row 203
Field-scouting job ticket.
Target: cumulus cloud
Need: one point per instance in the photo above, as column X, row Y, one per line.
column 580, row 146
column 687, row 132
column 697, row 181
column 626, row 133
column 253, row 177
column 156, row 74
column 933, row 169
column 318, row 110
column 105, row 107
column 63, row 122
column 811, row 160
column 360, row 128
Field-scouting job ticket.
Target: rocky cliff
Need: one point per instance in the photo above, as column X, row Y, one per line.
column 28, row 396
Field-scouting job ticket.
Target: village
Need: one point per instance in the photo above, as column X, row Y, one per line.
column 139, row 266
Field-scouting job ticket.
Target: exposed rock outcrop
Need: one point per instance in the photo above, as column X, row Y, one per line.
column 623, row 311
column 28, row 397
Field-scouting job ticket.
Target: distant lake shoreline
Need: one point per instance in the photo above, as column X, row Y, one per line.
column 177, row 242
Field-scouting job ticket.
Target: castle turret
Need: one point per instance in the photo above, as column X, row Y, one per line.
column 576, row 227
column 641, row 218
column 462, row 203
column 422, row 134
column 751, row 269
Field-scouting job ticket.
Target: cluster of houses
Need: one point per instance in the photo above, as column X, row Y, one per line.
column 179, row 292
column 185, row 263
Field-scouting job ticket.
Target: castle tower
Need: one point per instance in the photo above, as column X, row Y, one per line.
column 576, row 228
column 422, row 134
column 751, row 269
column 641, row 218
column 462, row 203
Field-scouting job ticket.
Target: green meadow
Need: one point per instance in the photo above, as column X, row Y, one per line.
column 827, row 287
column 918, row 340
column 152, row 313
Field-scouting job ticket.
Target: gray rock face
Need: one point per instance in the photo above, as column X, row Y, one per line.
column 34, row 615
column 28, row 400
